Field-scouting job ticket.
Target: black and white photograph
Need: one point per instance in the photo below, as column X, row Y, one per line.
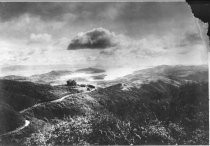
column 103, row 73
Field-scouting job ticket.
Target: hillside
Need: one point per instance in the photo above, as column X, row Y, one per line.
column 20, row 95
column 15, row 78
column 171, row 74
column 160, row 113
column 10, row 119
column 160, row 105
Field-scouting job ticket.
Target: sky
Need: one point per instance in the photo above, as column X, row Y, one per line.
column 105, row 35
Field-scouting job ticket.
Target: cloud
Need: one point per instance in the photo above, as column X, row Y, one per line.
column 44, row 37
column 98, row 38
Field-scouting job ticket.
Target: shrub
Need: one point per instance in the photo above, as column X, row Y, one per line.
column 38, row 139
column 71, row 131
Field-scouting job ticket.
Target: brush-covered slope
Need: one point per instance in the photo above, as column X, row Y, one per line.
column 73, row 105
column 10, row 119
column 20, row 95
column 161, row 105
column 155, row 113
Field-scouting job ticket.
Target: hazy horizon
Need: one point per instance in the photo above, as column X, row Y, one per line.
column 29, row 70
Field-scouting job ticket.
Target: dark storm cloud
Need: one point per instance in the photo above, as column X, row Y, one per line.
column 98, row 38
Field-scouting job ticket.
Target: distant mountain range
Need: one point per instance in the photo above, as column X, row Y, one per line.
column 178, row 73
column 49, row 77
column 90, row 70
column 15, row 78
column 54, row 76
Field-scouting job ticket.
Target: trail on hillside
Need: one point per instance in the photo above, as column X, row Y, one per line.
column 53, row 101
column 26, row 124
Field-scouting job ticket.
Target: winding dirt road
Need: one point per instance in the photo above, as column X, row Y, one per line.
column 26, row 124
column 53, row 101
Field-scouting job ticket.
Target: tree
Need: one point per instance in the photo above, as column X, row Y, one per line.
column 71, row 83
